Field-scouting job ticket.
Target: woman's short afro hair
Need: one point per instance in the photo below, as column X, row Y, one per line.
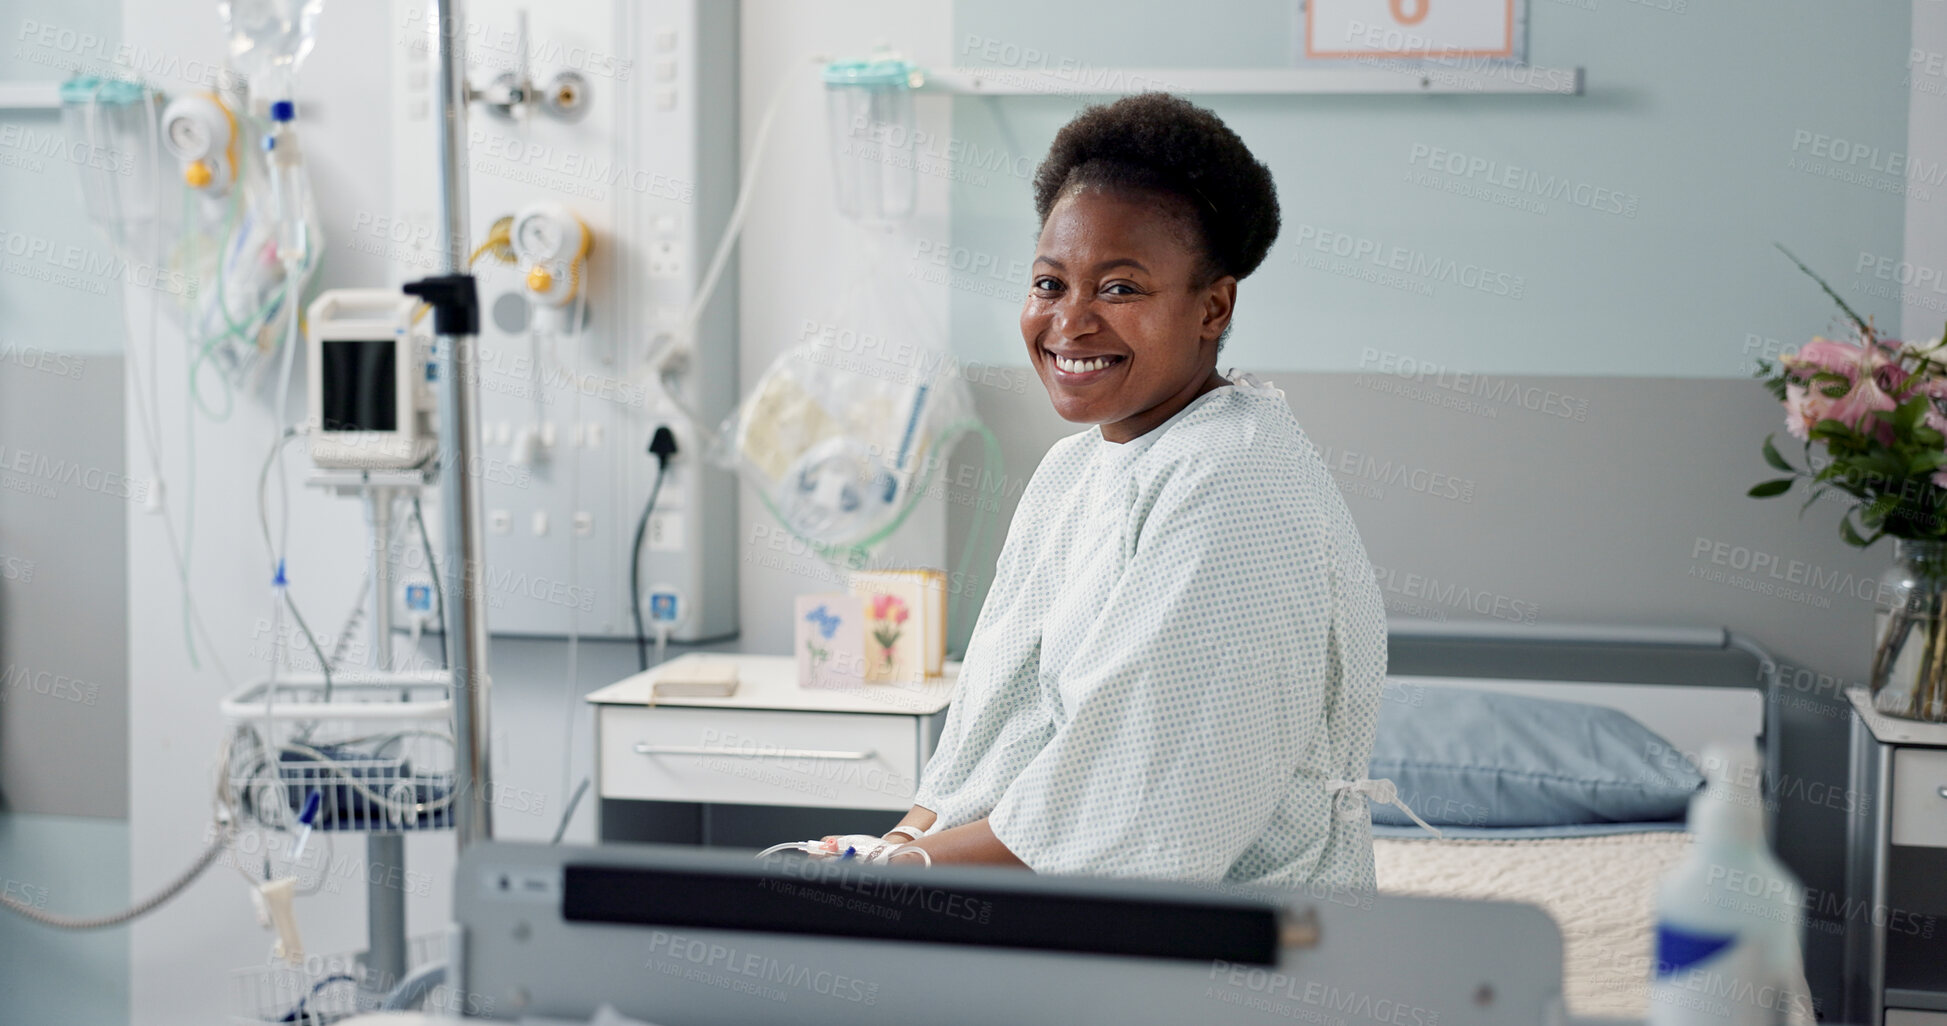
column 1166, row 144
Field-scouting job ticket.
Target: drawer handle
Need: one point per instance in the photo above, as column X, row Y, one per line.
column 1943, row 792
column 775, row 753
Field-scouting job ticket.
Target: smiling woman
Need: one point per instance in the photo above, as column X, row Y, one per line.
column 1177, row 671
column 1151, row 210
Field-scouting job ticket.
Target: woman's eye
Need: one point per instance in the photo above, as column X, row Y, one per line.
column 1121, row 288
column 1045, row 284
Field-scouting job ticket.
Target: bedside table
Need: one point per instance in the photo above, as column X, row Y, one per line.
column 764, row 765
column 1895, row 912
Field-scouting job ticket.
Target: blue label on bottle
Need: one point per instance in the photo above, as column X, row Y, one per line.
column 1679, row 949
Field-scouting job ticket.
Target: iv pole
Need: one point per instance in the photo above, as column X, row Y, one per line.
column 456, row 320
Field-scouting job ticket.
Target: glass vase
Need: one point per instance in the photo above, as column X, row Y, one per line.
column 1909, row 674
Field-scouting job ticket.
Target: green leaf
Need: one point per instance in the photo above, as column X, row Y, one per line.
column 1768, row 489
column 1834, row 386
column 1910, row 412
column 1817, row 493
column 1851, row 536
column 1776, row 461
column 1923, row 462
column 1832, row 431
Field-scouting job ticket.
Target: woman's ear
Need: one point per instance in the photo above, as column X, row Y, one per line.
column 1219, row 301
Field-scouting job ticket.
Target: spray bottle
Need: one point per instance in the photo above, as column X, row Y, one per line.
column 1729, row 918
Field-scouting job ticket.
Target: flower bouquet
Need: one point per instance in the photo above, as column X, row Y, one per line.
column 1873, row 405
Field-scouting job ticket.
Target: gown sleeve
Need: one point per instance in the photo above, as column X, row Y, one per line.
column 995, row 725
column 1192, row 698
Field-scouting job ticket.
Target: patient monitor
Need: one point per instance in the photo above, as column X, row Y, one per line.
column 686, row 937
column 371, row 401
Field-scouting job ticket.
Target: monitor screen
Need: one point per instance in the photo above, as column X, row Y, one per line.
column 359, row 385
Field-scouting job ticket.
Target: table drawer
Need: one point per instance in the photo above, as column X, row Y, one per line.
column 1920, row 797
column 759, row 757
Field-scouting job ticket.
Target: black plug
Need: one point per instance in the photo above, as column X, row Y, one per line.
column 662, row 445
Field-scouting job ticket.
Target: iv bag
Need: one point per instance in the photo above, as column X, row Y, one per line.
column 840, row 444
column 269, row 39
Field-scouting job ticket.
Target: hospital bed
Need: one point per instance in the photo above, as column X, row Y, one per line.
column 1690, row 687
column 680, row 936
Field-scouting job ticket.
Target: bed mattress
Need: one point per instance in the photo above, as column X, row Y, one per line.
column 1600, row 889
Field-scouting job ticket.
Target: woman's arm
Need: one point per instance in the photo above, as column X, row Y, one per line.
column 972, row 844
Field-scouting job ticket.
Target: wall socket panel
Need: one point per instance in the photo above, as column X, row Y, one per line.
column 566, row 411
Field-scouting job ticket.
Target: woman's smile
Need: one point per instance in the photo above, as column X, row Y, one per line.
column 1081, row 370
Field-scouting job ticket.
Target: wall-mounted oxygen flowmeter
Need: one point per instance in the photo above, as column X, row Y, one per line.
column 607, row 132
column 370, row 398
column 201, row 133
column 551, row 249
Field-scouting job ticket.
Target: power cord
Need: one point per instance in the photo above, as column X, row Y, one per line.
column 662, row 445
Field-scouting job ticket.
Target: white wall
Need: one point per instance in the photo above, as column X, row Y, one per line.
column 1924, row 308
column 184, row 955
column 799, row 256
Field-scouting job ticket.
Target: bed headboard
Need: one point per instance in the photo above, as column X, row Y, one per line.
column 1691, row 685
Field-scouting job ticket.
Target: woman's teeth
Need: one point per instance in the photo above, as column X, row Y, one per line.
column 1083, row 366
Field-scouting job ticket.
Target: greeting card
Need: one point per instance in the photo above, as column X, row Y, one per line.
column 830, row 641
column 925, row 592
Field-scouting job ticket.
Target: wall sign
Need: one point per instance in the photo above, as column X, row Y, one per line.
column 1341, row 29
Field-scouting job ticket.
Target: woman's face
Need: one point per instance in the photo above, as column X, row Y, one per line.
column 1116, row 324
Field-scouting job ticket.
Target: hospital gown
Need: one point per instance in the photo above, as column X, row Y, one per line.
column 1182, row 651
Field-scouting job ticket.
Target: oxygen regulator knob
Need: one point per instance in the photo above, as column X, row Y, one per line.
column 539, row 280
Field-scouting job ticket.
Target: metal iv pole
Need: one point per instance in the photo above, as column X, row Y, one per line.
column 456, row 320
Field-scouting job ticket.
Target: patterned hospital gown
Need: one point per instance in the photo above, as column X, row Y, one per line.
column 1183, row 646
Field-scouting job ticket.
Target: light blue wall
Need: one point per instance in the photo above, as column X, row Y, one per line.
column 1699, row 122
column 74, row 866
column 60, row 283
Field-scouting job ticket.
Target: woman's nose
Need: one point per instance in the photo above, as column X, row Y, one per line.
column 1075, row 315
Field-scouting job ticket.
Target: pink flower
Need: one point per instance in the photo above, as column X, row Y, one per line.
column 1855, row 409
column 1803, row 408
column 888, row 607
column 1824, row 354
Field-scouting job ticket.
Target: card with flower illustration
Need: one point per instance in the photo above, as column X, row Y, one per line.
column 930, row 613
column 895, row 627
column 830, row 641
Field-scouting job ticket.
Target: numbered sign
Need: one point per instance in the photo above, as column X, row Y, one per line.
column 1409, row 28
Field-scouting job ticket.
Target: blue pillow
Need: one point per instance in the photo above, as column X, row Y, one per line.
column 1469, row 758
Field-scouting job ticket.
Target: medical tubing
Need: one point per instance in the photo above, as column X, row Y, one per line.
column 386, row 802
column 735, row 224
column 635, row 566
column 148, row 411
column 277, row 558
column 415, row 988
column 568, row 815
column 300, row 1014
column 136, row 911
column 685, row 334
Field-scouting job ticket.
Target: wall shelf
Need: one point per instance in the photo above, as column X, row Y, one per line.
column 1375, row 78
column 30, row 96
